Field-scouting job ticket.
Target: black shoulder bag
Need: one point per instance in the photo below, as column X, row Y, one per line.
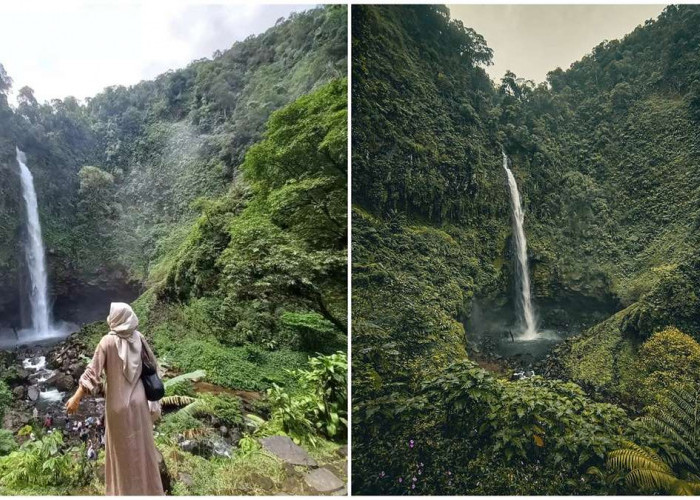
column 152, row 383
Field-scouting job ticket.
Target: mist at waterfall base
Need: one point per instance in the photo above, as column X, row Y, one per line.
column 43, row 329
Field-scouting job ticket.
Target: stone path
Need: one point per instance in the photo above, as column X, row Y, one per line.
column 305, row 475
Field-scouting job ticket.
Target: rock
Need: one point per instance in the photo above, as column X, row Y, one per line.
column 323, row 481
column 234, row 435
column 16, row 375
column 286, row 450
column 223, row 430
column 185, row 479
column 343, row 451
column 187, row 445
column 76, row 369
column 219, row 447
column 33, row 393
column 342, row 492
column 164, row 473
column 19, row 392
column 263, row 482
column 61, row 381
column 15, row 419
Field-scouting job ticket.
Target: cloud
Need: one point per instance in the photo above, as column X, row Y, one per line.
column 78, row 49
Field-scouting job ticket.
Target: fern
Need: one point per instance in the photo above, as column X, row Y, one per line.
column 678, row 419
column 177, row 401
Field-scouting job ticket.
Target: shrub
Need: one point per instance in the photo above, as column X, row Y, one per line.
column 312, row 329
column 5, row 397
column 7, row 442
column 44, row 463
column 668, row 361
column 318, row 405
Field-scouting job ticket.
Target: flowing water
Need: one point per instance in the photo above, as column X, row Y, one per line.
column 36, row 262
column 526, row 311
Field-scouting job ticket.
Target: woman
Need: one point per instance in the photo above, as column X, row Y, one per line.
column 131, row 466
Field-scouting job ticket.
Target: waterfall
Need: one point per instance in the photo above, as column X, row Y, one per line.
column 34, row 252
column 524, row 299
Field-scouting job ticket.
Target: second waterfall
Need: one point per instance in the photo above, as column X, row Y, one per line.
column 526, row 311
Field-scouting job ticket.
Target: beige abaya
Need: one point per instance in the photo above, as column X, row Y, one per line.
column 131, row 466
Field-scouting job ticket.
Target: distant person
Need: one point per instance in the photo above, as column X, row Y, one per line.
column 48, row 421
column 131, row 463
column 91, row 453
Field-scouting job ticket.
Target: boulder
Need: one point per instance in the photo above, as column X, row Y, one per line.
column 15, row 419
column 19, row 392
column 33, row 393
column 61, row 381
column 323, row 481
column 286, row 450
column 76, row 369
column 219, row 447
column 187, row 445
column 263, row 482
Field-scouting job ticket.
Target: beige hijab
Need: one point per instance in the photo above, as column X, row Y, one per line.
column 123, row 322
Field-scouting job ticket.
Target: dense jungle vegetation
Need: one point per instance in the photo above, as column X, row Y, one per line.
column 215, row 193
column 606, row 157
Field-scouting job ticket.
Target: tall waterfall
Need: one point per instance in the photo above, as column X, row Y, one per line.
column 34, row 252
column 524, row 299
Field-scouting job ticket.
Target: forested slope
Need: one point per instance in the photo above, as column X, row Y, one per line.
column 605, row 155
column 157, row 147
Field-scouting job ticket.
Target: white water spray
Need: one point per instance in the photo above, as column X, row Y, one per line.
column 35, row 254
column 524, row 298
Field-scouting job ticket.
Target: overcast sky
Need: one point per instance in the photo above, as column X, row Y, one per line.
column 531, row 40
column 79, row 47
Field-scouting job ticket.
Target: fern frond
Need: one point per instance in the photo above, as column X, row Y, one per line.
column 196, row 407
column 651, row 479
column 682, row 487
column 195, row 433
column 635, row 457
column 177, row 401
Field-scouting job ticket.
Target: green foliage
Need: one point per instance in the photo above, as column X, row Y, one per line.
column 465, row 419
column 179, row 422
column 678, row 472
column 318, row 403
column 313, row 330
column 44, row 463
column 7, row 442
column 5, row 397
column 242, row 259
column 667, row 362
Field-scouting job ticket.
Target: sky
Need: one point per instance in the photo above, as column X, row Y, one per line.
column 80, row 47
column 531, row 40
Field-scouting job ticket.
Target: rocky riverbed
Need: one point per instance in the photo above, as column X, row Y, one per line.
column 43, row 377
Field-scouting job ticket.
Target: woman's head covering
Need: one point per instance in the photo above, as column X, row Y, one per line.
column 122, row 323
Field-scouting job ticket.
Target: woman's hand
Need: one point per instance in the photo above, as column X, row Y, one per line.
column 73, row 403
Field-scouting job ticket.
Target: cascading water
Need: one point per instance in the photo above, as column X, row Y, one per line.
column 524, row 300
column 38, row 294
